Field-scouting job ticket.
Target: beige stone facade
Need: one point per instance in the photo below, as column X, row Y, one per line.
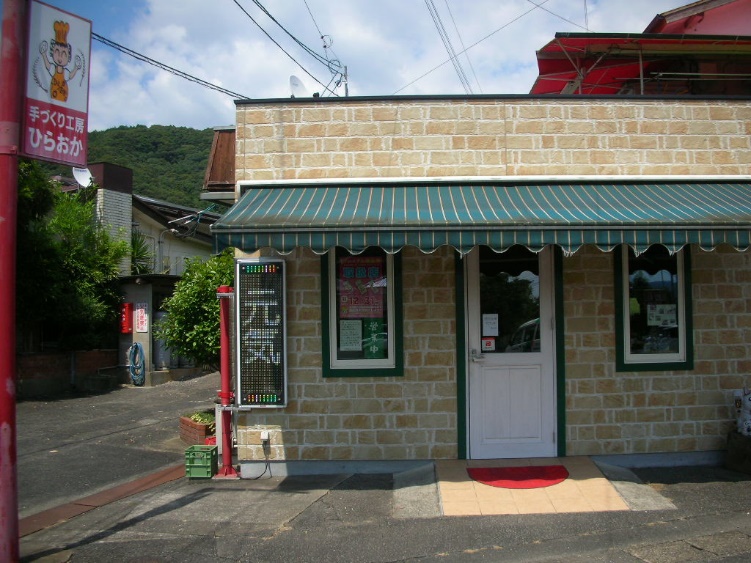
column 417, row 416
column 378, row 418
column 650, row 412
column 492, row 137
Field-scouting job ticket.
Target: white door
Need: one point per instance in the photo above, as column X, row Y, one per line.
column 511, row 354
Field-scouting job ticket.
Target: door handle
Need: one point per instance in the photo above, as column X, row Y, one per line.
column 476, row 356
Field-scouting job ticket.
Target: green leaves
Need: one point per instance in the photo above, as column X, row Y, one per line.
column 67, row 267
column 191, row 328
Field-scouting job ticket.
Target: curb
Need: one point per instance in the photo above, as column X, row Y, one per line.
column 48, row 518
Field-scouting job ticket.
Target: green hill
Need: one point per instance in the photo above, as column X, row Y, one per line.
column 168, row 162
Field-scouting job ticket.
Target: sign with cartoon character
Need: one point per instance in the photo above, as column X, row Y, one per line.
column 55, row 119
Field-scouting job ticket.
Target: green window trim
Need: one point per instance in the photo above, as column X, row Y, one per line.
column 357, row 371
column 621, row 364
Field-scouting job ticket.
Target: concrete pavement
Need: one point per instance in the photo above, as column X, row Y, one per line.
column 676, row 514
column 361, row 518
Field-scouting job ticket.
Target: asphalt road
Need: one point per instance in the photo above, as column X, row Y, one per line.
column 79, row 445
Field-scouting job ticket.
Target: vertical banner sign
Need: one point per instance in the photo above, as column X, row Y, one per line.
column 55, row 114
column 142, row 317
column 260, row 330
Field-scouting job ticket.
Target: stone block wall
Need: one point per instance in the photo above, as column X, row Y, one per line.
column 405, row 137
column 609, row 412
column 365, row 418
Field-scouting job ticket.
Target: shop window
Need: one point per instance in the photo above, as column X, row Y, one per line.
column 653, row 310
column 361, row 314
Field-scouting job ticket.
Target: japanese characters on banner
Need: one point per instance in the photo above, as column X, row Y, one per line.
column 362, row 294
column 142, row 317
column 55, row 120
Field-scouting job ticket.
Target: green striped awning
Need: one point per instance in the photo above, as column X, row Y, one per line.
column 429, row 215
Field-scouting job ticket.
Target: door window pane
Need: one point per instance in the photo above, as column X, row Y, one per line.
column 509, row 301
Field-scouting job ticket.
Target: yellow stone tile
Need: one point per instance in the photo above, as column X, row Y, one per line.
column 537, row 507
column 455, row 495
column 457, row 485
column 461, row 509
column 497, row 508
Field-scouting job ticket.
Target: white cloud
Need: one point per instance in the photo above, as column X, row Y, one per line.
column 387, row 46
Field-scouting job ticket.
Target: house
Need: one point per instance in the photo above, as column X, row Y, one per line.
column 498, row 276
column 169, row 235
column 698, row 49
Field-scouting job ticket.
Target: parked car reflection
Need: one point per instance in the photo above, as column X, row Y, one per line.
column 526, row 338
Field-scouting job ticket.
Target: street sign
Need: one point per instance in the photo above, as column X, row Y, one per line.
column 54, row 124
column 260, row 329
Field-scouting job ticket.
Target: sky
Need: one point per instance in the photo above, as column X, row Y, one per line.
column 389, row 47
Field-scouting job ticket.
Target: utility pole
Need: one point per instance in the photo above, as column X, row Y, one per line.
column 11, row 72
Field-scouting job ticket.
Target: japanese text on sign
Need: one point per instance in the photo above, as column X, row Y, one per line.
column 362, row 287
column 56, row 99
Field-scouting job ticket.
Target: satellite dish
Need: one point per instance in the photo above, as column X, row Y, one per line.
column 82, row 176
column 297, row 88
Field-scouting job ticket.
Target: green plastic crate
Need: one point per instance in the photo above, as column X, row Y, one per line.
column 201, row 462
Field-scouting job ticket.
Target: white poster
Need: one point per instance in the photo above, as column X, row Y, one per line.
column 662, row 315
column 142, row 317
column 490, row 325
column 350, row 335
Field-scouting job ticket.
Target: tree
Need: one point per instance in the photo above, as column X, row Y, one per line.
column 36, row 256
column 67, row 266
column 90, row 260
column 191, row 326
column 141, row 256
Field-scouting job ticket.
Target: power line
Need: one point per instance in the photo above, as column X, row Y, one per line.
column 327, row 42
column 307, row 49
column 304, row 47
column 176, row 72
column 584, row 27
column 451, row 15
column 504, row 26
column 448, row 46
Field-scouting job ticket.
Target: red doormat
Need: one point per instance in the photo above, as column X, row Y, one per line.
column 527, row 477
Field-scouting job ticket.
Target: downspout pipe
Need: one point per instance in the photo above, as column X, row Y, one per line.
column 226, row 396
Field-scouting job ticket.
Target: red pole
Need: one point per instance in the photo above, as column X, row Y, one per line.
column 11, row 71
column 226, row 395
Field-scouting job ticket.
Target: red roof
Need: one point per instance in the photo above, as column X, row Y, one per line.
column 596, row 63
column 726, row 17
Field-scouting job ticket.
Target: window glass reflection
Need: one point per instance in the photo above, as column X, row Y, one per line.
column 362, row 305
column 653, row 302
column 509, row 301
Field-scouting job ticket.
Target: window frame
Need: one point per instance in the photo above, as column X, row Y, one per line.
column 684, row 358
column 393, row 366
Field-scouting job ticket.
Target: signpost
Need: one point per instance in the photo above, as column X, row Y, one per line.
column 48, row 122
column 11, row 63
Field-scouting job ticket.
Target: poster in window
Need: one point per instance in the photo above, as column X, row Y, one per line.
column 375, row 339
column 350, row 336
column 362, row 287
column 662, row 315
column 490, row 324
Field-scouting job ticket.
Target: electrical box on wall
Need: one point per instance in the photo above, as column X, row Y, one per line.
column 261, row 332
